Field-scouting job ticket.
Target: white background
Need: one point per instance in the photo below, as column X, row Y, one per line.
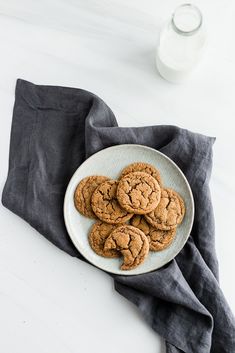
column 50, row 302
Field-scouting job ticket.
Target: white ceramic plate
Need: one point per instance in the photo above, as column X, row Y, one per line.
column 110, row 162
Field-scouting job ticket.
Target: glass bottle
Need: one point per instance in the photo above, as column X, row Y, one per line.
column 181, row 43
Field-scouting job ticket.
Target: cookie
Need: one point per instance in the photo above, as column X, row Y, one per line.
column 98, row 234
column 105, row 204
column 142, row 167
column 131, row 242
column 138, row 193
column 158, row 239
column 169, row 212
column 83, row 193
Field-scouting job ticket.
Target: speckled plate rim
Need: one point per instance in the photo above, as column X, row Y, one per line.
column 69, row 193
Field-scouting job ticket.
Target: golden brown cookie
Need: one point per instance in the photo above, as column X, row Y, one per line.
column 83, row 193
column 98, row 234
column 138, row 193
column 105, row 205
column 131, row 242
column 158, row 239
column 169, row 212
column 142, row 167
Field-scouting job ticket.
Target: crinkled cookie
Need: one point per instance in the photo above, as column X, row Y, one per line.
column 142, row 167
column 105, row 204
column 131, row 242
column 169, row 213
column 158, row 239
column 83, row 193
column 138, row 193
column 98, row 234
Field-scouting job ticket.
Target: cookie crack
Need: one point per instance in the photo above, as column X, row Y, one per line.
column 167, row 206
column 121, row 217
column 83, row 196
column 131, row 201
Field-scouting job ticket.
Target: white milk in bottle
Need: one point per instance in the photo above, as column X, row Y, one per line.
column 181, row 43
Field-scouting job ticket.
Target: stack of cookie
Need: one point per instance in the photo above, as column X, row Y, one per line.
column 139, row 198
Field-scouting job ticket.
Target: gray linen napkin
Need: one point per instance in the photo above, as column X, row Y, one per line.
column 54, row 129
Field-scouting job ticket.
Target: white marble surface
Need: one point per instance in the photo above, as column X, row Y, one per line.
column 50, row 302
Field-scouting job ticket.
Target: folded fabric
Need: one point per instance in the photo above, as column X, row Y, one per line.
column 54, row 129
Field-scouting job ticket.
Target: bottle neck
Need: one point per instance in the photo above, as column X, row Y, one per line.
column 186, row 20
